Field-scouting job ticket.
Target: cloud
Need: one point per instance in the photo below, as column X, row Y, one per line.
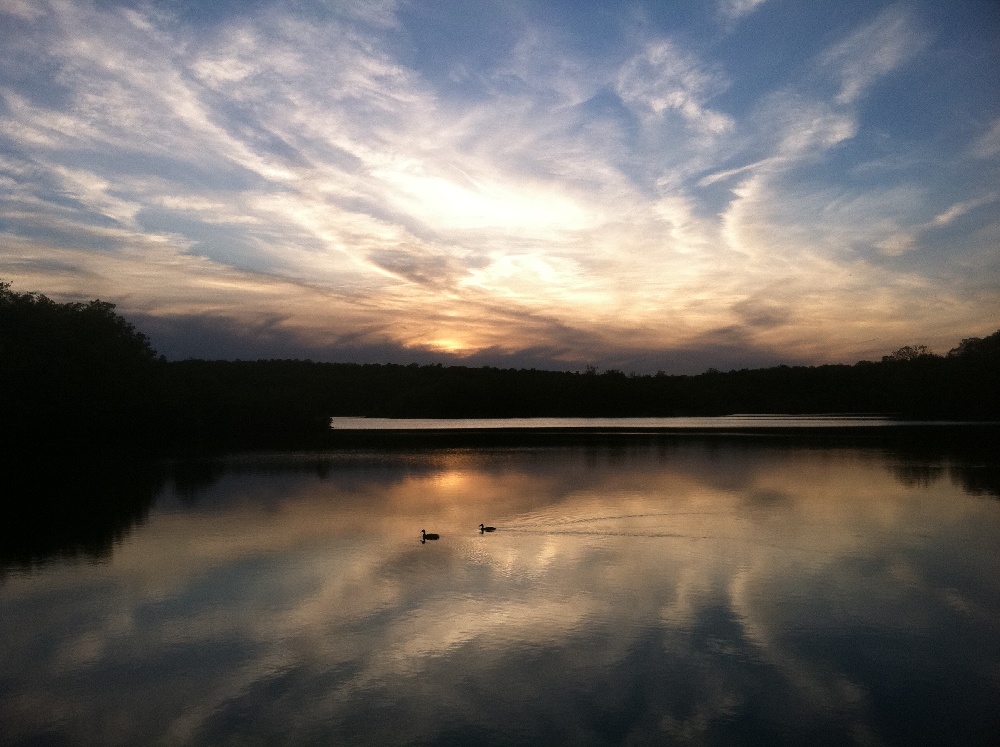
column 733, row 9
column 610, row 202
column 988, row 144
column 961, row 208
column 897, row 244
column 820, row 249
column 23, row 9
column 902, row 242
column 873, row 51
column 663, row 79
column 763, row 312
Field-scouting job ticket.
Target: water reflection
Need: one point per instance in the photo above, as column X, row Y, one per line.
column 649, row 591
column 72, row 506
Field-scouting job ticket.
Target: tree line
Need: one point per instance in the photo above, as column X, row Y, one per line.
column 79, row 372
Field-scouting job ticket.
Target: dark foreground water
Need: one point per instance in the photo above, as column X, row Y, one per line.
column 645, row 590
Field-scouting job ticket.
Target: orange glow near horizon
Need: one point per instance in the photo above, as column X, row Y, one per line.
column 294, row 186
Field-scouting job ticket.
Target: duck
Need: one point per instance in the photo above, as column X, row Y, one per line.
column 486, row 529
column 425, row 536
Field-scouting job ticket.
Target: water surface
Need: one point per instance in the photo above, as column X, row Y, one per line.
column 630, row 423
column 640, row 591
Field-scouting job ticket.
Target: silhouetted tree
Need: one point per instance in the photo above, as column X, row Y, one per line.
column 907, row 353
column 977, row 347
column 81, row 371
column 72, row 370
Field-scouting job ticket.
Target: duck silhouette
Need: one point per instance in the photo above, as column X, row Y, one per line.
column 424, row 536
column 486, row 529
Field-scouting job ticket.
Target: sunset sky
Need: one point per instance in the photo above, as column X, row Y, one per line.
column 643, row 185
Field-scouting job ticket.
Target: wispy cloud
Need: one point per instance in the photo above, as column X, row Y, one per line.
column 663, row 79
column 873, row 51
column 988, row 144
column 733, row 9
column 559, row 198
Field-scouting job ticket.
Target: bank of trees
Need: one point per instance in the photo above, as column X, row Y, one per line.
column 80, row 372
column 76, row 369
column 962, row 385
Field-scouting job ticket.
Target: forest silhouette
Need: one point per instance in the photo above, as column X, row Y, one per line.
column 81, row 373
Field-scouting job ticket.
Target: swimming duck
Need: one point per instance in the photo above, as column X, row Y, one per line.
column 486, row 529
column 425, row 536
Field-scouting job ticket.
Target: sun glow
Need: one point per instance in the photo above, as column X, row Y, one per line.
column 451, row 480
column 442, row 202
column 448, row 345
column 315, row 185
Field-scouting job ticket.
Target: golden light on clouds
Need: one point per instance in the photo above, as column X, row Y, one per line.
column 648, row 202
column 513, row 208
column 448, row 346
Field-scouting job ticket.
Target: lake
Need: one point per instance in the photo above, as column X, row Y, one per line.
column 650, row 588
column 621, row 424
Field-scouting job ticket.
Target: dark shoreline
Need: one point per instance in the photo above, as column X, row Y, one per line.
column 974, row 436
column 979, row 434
column 81, row 377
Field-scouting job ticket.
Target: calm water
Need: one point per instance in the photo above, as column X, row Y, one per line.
column 637, row 591
column 677, row 423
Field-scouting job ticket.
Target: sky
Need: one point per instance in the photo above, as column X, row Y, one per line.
column 644, row 186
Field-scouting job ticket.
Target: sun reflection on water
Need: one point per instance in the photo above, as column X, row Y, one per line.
column 675, row 590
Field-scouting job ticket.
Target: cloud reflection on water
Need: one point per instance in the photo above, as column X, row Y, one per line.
column 682, row 591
